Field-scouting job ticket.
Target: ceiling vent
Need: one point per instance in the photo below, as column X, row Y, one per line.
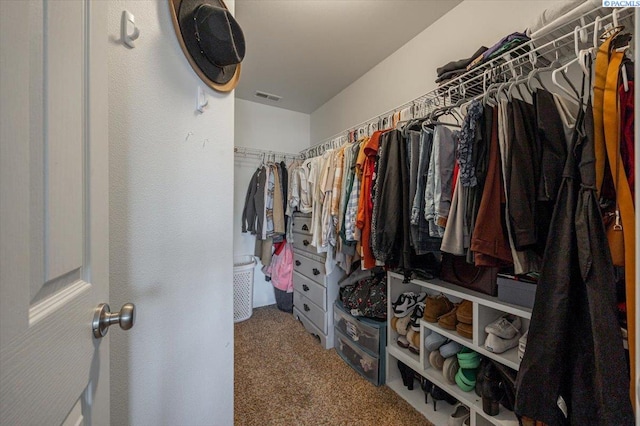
column 268, row 96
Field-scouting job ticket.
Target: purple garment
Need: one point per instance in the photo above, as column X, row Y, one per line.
column 502, row 41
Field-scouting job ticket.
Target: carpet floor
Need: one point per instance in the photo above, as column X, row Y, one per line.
column 284, row 377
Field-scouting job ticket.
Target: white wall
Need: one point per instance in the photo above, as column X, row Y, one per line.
column 269, row 128
column 170, row 212
column 411, row 71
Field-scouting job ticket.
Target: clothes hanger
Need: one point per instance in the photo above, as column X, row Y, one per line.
column 534, row 75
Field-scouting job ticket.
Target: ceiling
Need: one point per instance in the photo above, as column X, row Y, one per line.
column 307, row 51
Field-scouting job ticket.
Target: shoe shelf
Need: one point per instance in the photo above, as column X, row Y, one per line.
column 449, row 289
column 486, row 309
column 449, row 334
column 416, row 396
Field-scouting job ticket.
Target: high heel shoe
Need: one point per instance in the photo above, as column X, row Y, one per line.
column 426, row 386
column 438, row 394
column 407, row 374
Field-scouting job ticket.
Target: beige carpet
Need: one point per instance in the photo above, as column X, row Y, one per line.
column 284, row 377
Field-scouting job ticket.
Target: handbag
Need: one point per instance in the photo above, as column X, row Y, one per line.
column 456, row 270
column 367, row 298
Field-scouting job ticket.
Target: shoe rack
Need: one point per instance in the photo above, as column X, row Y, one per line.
column 486, row 309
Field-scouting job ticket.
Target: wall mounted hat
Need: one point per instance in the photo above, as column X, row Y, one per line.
column 211, row 39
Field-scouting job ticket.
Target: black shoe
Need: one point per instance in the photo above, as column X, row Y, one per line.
column 426, row 386
column 438, row 394
column 491, row 390
column 407, row 374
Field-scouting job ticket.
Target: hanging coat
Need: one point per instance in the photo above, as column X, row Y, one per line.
column 574, row 357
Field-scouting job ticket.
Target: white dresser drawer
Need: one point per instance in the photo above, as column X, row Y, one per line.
column 303, row 242
column 325, row 340
column 301, row 224
column 316, row 314
column 310, row 268
column 314, row 291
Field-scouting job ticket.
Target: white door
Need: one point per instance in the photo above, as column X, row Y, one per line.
column 53, row 212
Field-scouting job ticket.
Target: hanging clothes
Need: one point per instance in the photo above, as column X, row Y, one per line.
column 574, row 340
column 489, row 242
column 249, row 212
column 525, row 261
column 422, row 242
column 366, row 162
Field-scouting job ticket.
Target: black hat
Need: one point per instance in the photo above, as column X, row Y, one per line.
column 211, row 39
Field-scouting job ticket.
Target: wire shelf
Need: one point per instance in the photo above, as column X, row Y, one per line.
column 560, row 40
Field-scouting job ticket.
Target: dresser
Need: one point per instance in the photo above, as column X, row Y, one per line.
column 314, row 292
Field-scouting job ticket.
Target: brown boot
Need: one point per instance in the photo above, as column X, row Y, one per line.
column 465, row 312
column 449, row 320
column 436, row 306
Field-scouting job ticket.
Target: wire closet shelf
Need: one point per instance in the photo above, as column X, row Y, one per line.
column 266, row 155
column 555, row 42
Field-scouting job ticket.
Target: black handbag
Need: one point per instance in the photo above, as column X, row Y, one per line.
column 456, row 270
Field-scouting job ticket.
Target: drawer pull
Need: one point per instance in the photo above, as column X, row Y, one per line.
column 306, row 307
column 298, row 263
column 305, row 287
column 315, row 271
column 305, row 227
column 305, row 242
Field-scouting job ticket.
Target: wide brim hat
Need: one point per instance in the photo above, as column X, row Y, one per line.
column 211, row 39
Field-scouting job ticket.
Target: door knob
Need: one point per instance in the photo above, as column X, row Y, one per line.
column 103, row 318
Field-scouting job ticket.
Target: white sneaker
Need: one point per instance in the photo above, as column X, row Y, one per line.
column 505, row 327
column 522, row 345
column 497, row 345
column 406, row 302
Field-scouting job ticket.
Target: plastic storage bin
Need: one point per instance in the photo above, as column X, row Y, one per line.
column 517, row 292
column 243, row 267
column 361, row 342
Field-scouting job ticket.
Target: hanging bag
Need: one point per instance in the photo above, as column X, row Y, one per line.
column 456, row 270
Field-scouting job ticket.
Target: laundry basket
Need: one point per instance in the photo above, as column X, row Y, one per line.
column 243, row 267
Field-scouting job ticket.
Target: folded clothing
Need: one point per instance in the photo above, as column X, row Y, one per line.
column 505, row 44
column 459, row 65
column 450, row 75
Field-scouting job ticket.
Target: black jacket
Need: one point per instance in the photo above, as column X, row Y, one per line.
column 574, row 347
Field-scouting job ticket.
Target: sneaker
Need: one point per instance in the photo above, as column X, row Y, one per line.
column 436, row 306
column 505, row 327
column 405, row 303
column 416, row 316
column 498, row 345
column 522, row 345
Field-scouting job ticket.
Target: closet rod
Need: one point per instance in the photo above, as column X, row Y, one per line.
column 240, row 150
column 555, row 43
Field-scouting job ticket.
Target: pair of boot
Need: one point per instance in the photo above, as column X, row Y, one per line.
column 496, row 386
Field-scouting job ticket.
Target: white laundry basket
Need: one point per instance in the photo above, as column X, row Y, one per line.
column 243, row 267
